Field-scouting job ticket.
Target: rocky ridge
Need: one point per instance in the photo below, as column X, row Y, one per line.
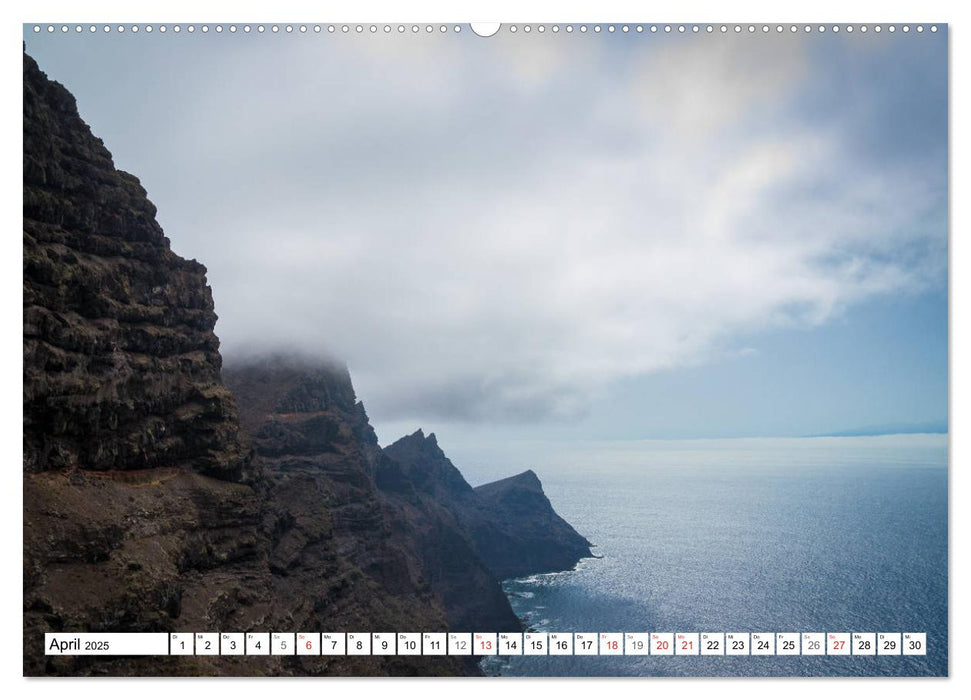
column 510, row 523
column 323, row 458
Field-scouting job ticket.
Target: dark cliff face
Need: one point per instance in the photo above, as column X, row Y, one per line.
column 139, row 498
column 525, row 535
column 324, row 464
column 510, row 523
column 432, row 473
column 121, row 365
column 144, row 507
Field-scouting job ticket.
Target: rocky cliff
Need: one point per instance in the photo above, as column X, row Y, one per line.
column 121, row 365
column 510, row 523
column 140, row 495
column 325, row 464
column 151, row 505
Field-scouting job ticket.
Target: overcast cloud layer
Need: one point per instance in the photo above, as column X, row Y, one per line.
column 498, row 230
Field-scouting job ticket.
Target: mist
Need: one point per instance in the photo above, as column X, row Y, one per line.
column 500, row 231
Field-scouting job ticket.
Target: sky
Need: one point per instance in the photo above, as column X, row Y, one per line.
column 597, row 237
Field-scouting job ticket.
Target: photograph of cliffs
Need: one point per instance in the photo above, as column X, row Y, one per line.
column 159, row 498
column 647, row 333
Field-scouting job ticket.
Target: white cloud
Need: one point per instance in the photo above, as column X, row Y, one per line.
column 497, row 231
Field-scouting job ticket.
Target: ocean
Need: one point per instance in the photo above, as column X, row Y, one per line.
column 749, row 535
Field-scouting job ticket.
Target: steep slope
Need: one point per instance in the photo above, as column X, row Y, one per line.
column 323, row 460
column 510, row 523
column 121, row 365
column 138, row 488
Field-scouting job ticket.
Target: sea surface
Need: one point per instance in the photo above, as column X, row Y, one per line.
column 750, row 535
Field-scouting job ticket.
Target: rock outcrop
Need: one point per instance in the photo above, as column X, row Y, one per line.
column 151, row 504
column 510, row 523
column 326, row 467
column 121, row 365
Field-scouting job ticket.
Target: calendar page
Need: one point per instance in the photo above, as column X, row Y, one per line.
column 485, row 350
